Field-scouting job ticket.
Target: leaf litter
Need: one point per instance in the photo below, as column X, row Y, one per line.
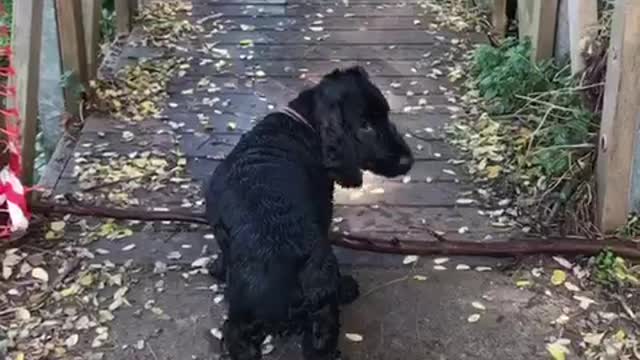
column 600, row 293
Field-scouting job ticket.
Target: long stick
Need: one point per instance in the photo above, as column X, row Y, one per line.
column 379, row 245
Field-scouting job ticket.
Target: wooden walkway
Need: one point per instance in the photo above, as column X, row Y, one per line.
column 290, row 48
column 247, row 60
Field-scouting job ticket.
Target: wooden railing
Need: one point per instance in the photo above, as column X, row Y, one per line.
column 618, row 147
column 79, row 38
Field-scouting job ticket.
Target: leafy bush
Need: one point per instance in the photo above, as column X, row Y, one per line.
column 535, row 138
column 501, row 74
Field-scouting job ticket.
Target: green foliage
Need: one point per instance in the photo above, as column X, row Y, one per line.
column 502, row 74
column 534, row 138
column 107, row 25
column 555, row 128
column 613, row 270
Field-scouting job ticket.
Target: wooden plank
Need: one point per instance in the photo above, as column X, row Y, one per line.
column 91, row 15
column 304, row 9
column 26, row 44
column 499, row 18
column 619, row 117
column 72, row 50
column 123, row 16
column 583, row 22
column 537, row 21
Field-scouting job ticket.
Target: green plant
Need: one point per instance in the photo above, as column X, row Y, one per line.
column 535, row 138
column 613, row 270
column 504, row 73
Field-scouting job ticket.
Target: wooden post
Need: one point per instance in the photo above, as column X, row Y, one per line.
column 499, row 18
column 620, row 118
column 91, row 15
column 72, row 49
column 537, row 20
column 26, row 43
column 123, row 16
column 583, row 22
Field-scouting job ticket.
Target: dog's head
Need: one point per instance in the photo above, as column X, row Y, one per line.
column 356, row 132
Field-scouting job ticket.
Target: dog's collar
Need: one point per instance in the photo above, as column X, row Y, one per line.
column 296, row 116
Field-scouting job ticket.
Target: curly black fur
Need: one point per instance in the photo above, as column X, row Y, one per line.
column 270, row 204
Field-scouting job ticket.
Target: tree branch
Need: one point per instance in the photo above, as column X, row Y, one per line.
column 441, row 246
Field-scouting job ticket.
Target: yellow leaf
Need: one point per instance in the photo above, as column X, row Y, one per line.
column 557, row 351
column 493, row 171
column 523, row 283
column 20, row 356
column 86, row 280
column 57, row 226
column 70, row 291
column 558, row 277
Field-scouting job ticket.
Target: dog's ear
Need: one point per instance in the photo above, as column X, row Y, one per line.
column 339, row 149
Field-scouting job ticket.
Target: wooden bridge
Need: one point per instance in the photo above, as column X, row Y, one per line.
column 230, row 64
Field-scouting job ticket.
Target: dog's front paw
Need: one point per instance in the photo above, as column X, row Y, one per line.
column 348, row 290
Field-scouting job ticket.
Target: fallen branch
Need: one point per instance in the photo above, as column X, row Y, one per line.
column 556, row 246
column 179, row 215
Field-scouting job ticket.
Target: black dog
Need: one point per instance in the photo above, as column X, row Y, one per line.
column 270, row 204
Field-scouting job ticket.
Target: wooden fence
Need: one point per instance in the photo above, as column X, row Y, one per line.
column 617, row 148
column 78, row 26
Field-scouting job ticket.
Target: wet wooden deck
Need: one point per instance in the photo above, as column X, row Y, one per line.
column 292, row 46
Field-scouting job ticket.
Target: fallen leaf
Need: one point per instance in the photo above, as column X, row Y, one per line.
column 557, row 351
column 71, row 341
column 439, row 268
column 140, row 344
column 353, row 337
column 440, row 261
column 593, row 339
column 218, row 298
column 463, row 267
column 216, row 333
column 478, row 305
column 473, row 318
column 558, row 277
column 493, row 171
column 563, row 262
column 40, row 274
column 57, row 226
column 22, row 314
column 268, row 349
column 105, row 316
column 129, row 247
column 419, row 277
column 523, row 283
column 200, row 262
column 465, row 201
column 571, row 287
column 585, row 302
column 410, row 259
